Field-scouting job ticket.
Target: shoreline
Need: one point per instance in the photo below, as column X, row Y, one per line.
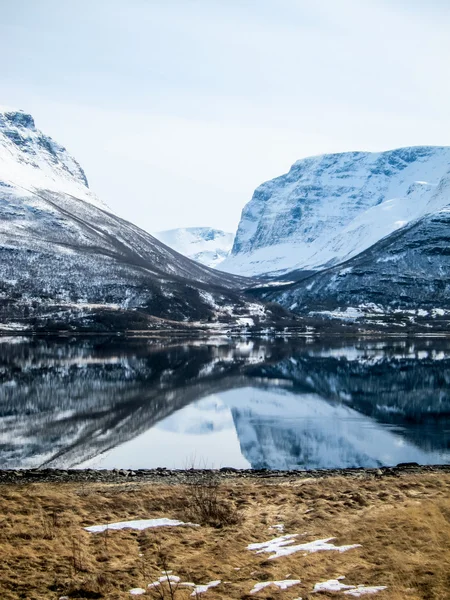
column 182, row 476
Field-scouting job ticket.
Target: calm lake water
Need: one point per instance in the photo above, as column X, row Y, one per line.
column 106, row 403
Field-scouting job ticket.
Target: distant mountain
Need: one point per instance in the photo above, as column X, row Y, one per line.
column 329, row 208
column 203, row 244
column 67, row 261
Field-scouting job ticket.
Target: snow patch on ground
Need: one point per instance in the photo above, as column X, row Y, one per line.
column 282, row 546
column 279, row 527
column 349, row 314
column 202, row 588
column 164, row 578
column 334, row 585
column 247, row 322
column 138, row 524
column 13, row 326
column 363, row 590
column 167, row 577
column 282, row 585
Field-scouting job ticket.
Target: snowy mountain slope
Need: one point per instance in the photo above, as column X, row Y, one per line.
column 329, row 208
column 407, row 270
column 62, row 251
column 202, row 244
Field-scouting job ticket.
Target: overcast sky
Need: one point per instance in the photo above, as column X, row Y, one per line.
column 178, row 109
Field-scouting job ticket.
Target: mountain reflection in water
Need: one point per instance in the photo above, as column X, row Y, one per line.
column 103, row 402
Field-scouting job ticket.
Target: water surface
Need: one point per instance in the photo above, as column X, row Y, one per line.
column 105, row 403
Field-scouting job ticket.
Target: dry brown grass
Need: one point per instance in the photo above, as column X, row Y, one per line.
column 403, row 524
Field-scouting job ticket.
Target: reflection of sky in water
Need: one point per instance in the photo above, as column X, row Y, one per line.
column 201, row 435
column 271, row 428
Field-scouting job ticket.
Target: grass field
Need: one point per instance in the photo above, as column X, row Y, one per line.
column 402, row 524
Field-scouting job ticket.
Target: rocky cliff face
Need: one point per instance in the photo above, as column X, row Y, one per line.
column 67, row 260
column 329, row 208
column 205, row 245
column 406, row 271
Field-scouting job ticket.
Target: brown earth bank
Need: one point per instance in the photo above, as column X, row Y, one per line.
column 399, row 516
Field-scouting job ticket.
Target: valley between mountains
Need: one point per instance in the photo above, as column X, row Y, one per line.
column 351, row 242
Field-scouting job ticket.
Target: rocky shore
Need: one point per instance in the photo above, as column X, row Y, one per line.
column 168, row 476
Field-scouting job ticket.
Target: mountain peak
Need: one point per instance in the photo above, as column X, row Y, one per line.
column 16, row 117
column 31, row 160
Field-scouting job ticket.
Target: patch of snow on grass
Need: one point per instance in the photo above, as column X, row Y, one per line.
column 282, row 585
column 138, row 524
column 197, row 588
column 137, row 591
column 201, row 589
column 164, row 578
column 274, row 544
column 281, row 546
column 363, row 590
column 332, row 585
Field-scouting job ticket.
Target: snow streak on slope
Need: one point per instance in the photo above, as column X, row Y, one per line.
column 203, row 244
column 329, row 208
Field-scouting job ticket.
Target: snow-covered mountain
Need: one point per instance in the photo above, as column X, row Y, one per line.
column 65, row 258
column 329, row 208
column 204, row 244
column 405, row 271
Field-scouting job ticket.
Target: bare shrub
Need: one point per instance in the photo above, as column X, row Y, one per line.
column 50, row 521
column 206, row 504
